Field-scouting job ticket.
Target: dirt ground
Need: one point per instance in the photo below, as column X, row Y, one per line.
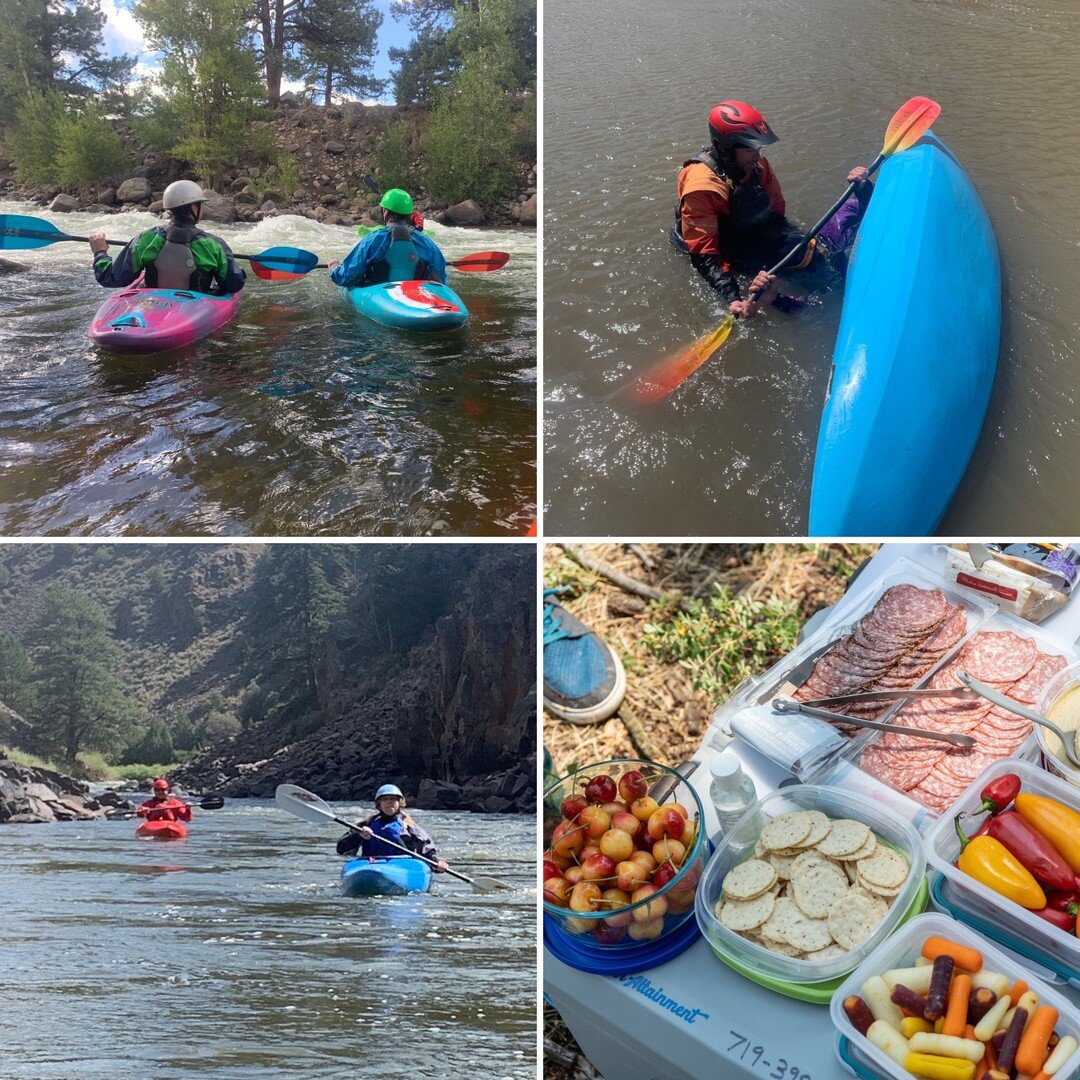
column 663, row 717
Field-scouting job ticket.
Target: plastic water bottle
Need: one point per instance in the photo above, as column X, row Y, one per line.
column 731, row 790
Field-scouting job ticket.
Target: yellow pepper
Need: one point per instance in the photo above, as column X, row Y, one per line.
column 1059, row 824
column 935, row 1067
column 988, row 861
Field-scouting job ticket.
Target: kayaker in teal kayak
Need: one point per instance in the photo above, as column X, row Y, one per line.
column 177, row 256
column 396, row 252
column 162, row 806
column 389, row 823
column 731, row 213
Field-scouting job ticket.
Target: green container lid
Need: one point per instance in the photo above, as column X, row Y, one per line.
column 818, row 993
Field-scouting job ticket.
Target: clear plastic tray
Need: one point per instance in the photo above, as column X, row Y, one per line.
column 1061, row 683
column 845, row 768
column 900, row 951
column 943, row 847
column 739, row 845
column 802, row 744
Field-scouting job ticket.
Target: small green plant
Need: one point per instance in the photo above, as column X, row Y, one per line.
column 140, row 772
column 262, row 147
column 288, row 172
column 89, row 151
column 37, row 129
column 722, row 640
column 393, row 156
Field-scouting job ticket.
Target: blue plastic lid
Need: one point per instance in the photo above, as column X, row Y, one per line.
column 843, row 1052
column 577, row 952
column 995, row 933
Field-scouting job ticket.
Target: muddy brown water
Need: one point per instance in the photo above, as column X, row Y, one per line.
column 628, row 88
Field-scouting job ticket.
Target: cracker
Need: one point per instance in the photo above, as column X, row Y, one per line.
column 749, row 880
column 853, row 919
column 816, row 890
column 885, row 869
column 740, row 915
column 807, row 934
column 873, row 890
column 773, row 928
column 865, row 851
column 820, row 828
column 830, row 952
column 781, row 864
column 852, row 871
column 783, row 948
column 845, row 837
column 786, row 830
column 807, row 859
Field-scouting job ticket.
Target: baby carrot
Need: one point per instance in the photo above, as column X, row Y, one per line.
column 963, row 956
column 1032, row 1052
column 1019, row 989
column 957, row 1008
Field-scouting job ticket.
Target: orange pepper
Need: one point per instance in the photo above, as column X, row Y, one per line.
column 1057, row 822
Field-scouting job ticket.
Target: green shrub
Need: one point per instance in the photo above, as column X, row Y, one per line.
column 140, row 772
column 155, row 745
column 89, row 151
column 288, row 172
column 261, row 144
column 33, row 145
column 393, row 156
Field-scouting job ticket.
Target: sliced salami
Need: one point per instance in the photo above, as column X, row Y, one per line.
column 998, row 655
column 1046, row 666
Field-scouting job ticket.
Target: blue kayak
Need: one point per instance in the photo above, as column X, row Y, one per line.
column 915, row 355
column 409, row 305
column 393, row 876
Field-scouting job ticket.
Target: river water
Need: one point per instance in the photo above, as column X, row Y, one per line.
column 301, row 418
column 628, row 88
column 231, row 953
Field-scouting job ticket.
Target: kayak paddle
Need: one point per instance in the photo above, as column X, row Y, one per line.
column 20, row 232
column 481, row 262
column 211, row 802
column 910, row 122
column 306, row 805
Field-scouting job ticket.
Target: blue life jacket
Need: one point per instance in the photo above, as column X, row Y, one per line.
column 393, row 830
column 402, row 262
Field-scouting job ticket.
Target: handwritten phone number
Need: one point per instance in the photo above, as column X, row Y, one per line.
column 781, row 1070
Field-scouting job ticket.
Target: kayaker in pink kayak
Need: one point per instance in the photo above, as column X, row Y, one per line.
column 163, row 806
column 177, row 256
column 397, row 252
column 731, row 213
column 390, row 822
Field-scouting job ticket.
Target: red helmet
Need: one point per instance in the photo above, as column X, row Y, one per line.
column 161, row 785
column 734, row 123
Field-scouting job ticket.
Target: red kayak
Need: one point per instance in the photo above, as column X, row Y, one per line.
column 162, row 830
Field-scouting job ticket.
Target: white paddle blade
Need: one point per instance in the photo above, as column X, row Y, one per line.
column 302, row 803
column 487, row 884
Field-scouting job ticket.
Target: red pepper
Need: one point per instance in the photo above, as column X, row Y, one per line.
column 1061, row 919
column 999, row 793
column 1034, row 851
column 1062, row 898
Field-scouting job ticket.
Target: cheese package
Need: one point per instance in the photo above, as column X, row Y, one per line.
column 1031, row 581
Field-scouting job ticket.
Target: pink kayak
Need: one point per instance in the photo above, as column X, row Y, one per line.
column 139, row 320
column 162, row 830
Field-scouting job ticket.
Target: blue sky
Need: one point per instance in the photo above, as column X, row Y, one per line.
column 124, row 35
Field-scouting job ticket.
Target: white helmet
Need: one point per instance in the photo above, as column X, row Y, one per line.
column 389, row 789
column 182, row 193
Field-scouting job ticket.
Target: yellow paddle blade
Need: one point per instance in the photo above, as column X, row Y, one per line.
column 909, row 124
column 668, row 373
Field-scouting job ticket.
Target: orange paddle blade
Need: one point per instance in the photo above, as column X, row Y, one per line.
column 909, row 124
column 667, row 374
column 482, row 262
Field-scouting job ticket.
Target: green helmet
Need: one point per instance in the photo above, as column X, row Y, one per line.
column 397, row 202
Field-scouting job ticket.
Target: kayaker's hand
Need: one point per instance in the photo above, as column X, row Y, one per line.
column 441, row 865
column 365, row 833
column 332, row 264
column 98, row 243
column 743, row 309
column 858, row 175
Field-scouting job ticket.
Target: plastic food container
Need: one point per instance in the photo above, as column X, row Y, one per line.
column 591, row 930
column 900, row 951
column 1065, row 682
column 1059, row 948
column 782, row 973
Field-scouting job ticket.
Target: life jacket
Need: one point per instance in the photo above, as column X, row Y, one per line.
column 402, row 261
column 392, row 829
column 748, row 203
column 174, row 263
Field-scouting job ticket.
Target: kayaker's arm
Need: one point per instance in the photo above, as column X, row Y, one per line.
column 118, row 272
column 430, row 253
column 349, row 844
column 353, row 270
column 718, row 274
column 228, row 277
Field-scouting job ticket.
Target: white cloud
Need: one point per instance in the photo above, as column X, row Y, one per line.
column 122, row 33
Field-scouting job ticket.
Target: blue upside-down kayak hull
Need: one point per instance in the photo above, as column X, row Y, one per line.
column 385, row 877
column 915, row 355
column 409, row 305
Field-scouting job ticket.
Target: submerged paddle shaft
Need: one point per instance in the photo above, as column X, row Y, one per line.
column 307, row 805
column 909, row 123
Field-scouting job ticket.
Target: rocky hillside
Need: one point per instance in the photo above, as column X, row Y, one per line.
column 333, row 149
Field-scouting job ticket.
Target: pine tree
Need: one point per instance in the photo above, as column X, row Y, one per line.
column 336, row 47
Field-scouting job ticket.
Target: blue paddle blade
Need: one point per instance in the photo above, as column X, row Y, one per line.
column 20, row 233
column 296, row 260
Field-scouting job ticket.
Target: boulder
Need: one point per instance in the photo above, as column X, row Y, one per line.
column 268, row 207
column 155, row 207
column 244, row 198
column 240, row 183
column 9, row 267
column 134, row 189
column 527, row 214
column 5, row 163
column 107, row 197
column 334, row 147
column 64, row 204
column 468, row 212
column 288, row 100
column 275, row 196
column 218, row 208
column 142, row 170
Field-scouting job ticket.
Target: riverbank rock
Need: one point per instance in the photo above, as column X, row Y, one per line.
column 468, row 212
column 134, row 189
column 35, row 796
column 527, row 213
column 9, row 267
column 64, row 204
column 218, row 208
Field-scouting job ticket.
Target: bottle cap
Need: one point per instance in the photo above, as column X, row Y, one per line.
column 726, row 771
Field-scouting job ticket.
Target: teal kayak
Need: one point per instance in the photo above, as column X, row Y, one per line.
column 409, row 305
column 394, row 876
column 915, row 355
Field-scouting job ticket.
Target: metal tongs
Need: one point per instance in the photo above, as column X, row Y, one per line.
column 814, row 708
